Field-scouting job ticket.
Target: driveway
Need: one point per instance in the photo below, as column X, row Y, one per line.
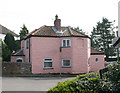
column 30, row 83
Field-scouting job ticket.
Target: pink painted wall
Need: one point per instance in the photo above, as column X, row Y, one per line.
column 13, row 58
column 89, row 52
column 46, row 47
column 22, row 44
column 80, row 55
column 95, row 66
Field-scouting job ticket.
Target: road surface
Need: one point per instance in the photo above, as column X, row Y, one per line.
column 30, row 83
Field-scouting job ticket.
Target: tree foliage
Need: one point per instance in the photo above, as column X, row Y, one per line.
column 10, row 42
column 5, row 52
column 78, row 29
column 17, row 44
column 23, row 32
column 9, row 46
column 101, row 37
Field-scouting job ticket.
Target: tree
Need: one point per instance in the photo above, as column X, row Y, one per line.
column 23, row 32
column 5, row 52
column 17, row 44
column 78, row 29
column 101, row 37
column 10, row 42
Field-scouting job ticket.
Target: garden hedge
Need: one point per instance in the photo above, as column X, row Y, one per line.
column 91, row 82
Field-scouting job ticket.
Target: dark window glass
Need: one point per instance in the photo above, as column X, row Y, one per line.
column 68, row 43
column 19, row 60
column 47, row 64
column 64, row 43
column 66, row 63
column 96, row 59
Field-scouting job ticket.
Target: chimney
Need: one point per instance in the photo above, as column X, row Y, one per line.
column 57, row 23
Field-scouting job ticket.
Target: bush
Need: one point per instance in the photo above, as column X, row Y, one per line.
column 67, row 86
column 91, row 82
column 111, row 80
column 82, row 84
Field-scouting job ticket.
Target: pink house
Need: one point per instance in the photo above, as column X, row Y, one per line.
column 57, row 49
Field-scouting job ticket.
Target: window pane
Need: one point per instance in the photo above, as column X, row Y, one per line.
column 68, row 42
column 47, row 64
column 96, row 59
column 64, row 43
column 66, row 62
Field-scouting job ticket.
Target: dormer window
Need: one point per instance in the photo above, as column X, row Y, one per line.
column 66, row 43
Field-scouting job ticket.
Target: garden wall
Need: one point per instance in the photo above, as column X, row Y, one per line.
column 16, row 68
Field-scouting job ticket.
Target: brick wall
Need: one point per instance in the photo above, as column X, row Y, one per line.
column 16, row 68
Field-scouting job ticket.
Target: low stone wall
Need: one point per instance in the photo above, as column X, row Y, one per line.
column 16, row 68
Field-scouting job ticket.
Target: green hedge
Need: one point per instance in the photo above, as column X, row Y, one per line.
column 91, row 82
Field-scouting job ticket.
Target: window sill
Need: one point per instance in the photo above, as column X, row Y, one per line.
column 66, row 46
column 47, row 68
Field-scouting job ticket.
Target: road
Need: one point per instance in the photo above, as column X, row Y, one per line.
column 30, row 83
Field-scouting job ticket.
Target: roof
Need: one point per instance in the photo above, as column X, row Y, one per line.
column 19, row 53
column 96, row 52
column 50, row 31
column 4, row 30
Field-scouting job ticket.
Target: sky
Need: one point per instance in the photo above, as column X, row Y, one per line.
column 36, row 13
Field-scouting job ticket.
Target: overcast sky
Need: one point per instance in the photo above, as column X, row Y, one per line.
column 36, row 13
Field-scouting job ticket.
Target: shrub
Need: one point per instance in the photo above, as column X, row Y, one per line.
column 67, row 86
column 82, row 84
column 91, row 82
column 112, row 78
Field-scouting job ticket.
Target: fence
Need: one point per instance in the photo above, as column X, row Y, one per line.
column 16, row 68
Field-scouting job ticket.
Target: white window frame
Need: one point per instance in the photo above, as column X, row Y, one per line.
column 66, row 43
column 63, row 64
column 47, row 62
column 20, row 59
